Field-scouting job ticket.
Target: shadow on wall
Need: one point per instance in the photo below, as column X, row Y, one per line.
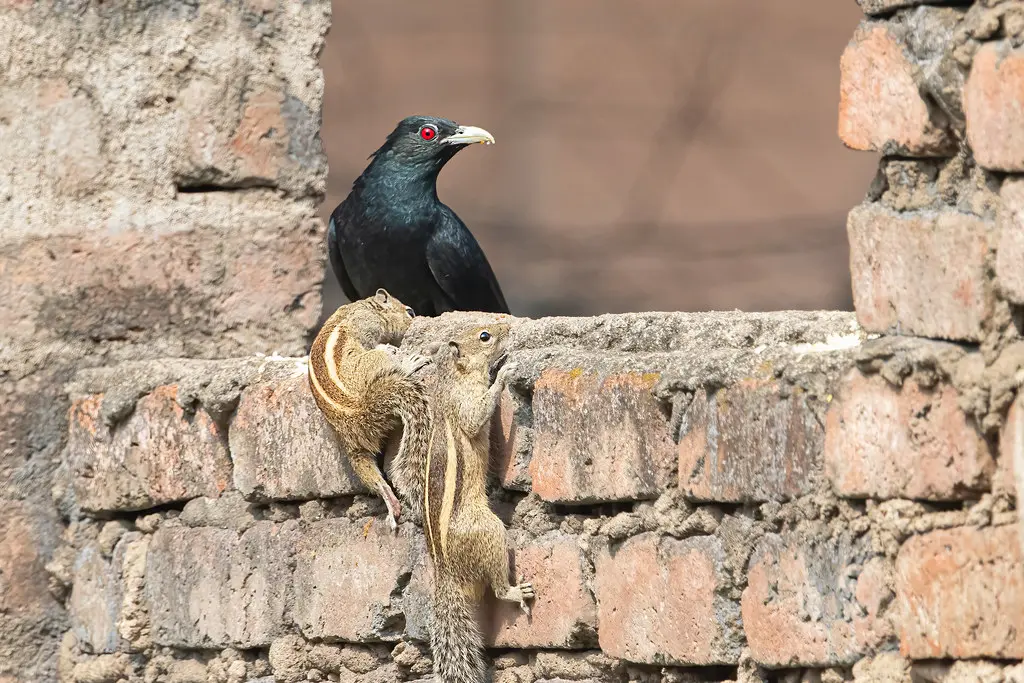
column 651, row 155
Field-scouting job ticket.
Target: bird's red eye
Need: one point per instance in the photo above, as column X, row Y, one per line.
column 428, row 133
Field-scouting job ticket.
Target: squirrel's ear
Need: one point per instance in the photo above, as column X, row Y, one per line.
column 454, row 346
column 382, row 295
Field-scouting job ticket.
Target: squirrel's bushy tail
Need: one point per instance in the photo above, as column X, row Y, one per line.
column 408, row 470
column 455, row 640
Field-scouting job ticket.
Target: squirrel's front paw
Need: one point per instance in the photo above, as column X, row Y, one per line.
column 504, row 373
column 413, row 363
column 388, row 349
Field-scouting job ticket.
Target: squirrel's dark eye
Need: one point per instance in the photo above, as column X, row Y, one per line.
column 428, row 132
column 412, row 313
column 485, row 336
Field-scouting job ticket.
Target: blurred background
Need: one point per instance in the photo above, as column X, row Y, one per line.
column 651, row 154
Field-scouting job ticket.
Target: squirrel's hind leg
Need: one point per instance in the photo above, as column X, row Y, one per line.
column 365, row 466
column 495, row 566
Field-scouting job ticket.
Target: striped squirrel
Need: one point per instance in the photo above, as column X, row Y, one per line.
column 363, row 386
column 466, row 540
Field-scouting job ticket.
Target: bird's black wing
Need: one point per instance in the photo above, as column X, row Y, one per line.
column 460, row 268
column 334, row 253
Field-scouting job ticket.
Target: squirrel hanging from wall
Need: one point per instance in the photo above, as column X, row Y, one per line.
column 466, row 540
column 365, row 386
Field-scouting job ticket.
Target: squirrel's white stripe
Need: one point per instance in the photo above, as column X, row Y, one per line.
column 323, row 395
column 451, row 470
column 330, row 361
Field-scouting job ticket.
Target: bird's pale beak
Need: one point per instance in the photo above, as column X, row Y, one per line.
column 467, row 135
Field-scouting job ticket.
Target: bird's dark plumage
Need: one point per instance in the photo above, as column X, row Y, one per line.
column 392, row 231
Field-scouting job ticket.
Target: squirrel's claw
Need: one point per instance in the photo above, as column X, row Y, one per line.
column 414, row 362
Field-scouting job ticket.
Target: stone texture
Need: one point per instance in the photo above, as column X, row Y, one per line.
column 884, row 6
column 881, row 107
column 815, row 601
column 893, row 261
column 903, row 442
column 599, row 438
column 512, row 442
column 118, row 243
column 222, row 97
column 1010, row 473
column 992, row 96
column 158, row 455
column 659, row 602
column 960, row 594
column 1010, row 252
column 750, row 442
column 283, row 448
column 564, row 614
column 204, row 269
column 349, row 580
column 95, row 603
column 211, row 588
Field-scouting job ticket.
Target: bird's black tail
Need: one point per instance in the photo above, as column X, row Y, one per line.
column 455, row 639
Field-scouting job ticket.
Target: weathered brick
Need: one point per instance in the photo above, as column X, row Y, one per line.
column 103, row 606
column 1010, row 252
column 166, row 285
column 992, row 96
column 960, row 594
column 750, row 442
column 885, row 6
column 1011, row 456
column 895, row 280
column 284, row 449
column 815, row 601
column 158, row 455
column 350, row 577
column 95, row 604
column 211, row 588
column 512, row 443
column 881, row 108
column 659, row 602
column 564, row 614
column 908, row 442
column 599, row 438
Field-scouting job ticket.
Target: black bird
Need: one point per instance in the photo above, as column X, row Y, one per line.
column 393, row 232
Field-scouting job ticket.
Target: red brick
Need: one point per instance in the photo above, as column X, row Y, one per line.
column 814, row 602
column 564, row 615
column 210, row 588
column 880, row 104
column 1010, row 252
column 190, row 291
column 749, row 442
column 659, row 602
column 1011, row 456
column 158, row 455
column 349, row 578
column 283, row 448
column 511, row 444
column 599, row 438
column 261, row 139
column 960, row 594
column 23, row 589
column 907, row 442
column 896, row 280
column 992, row 104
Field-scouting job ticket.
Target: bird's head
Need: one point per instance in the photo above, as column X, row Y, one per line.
column 428, row 142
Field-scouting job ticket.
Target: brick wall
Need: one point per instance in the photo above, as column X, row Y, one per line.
column 696, row 497
column 156, row 157
column 794, row 497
